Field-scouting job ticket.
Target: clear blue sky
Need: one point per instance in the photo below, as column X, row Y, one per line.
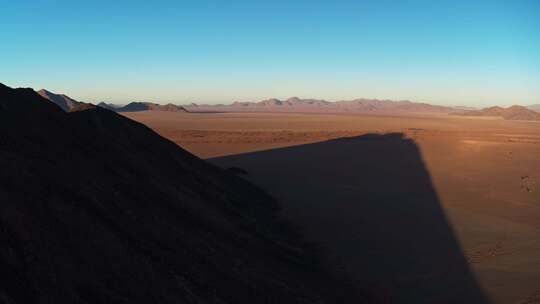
column 444, row 52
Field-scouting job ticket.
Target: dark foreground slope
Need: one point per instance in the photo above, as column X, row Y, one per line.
column 96, row 208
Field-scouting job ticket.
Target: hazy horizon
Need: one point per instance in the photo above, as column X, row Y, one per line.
column 123, row 102
column 448, row 53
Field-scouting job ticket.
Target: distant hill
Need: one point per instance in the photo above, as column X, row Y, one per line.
column 69, row 104
column 142, row 106
column 465, row 108
column 491, row 111
column 65, row 102
column 97, row 208
column 108, row 106
column 520, row 113
column 291, row 102
column 295, row 104
column 512, row 113
column 535, row 107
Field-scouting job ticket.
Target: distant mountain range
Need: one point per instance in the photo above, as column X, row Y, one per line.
column 512, row 113
column 142, row 106
column 299, row 105
column 295, row 104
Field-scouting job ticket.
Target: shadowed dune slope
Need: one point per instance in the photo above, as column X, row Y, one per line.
column 370, row 203
column 96, row 208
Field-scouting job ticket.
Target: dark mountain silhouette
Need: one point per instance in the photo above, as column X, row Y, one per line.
column 295, row 104
column 143, row 106
column 370, row 203
column 512, row 113
column 97, row 208
column 63, row 101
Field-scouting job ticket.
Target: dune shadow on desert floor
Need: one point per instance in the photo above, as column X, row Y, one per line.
column 370, row 204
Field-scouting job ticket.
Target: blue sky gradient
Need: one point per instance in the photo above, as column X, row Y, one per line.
column 474, row 53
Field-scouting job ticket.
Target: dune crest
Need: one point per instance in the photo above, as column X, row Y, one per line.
column 97, row 208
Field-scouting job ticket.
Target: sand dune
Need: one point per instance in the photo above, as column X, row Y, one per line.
column 97, row 208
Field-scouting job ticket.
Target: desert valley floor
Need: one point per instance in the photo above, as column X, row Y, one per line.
column 446, row 206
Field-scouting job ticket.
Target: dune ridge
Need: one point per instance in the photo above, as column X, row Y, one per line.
column 97, row 208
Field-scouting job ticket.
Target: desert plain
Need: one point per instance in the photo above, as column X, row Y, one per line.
column 447, row 207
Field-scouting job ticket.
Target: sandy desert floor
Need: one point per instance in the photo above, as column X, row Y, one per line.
column 448, row 207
